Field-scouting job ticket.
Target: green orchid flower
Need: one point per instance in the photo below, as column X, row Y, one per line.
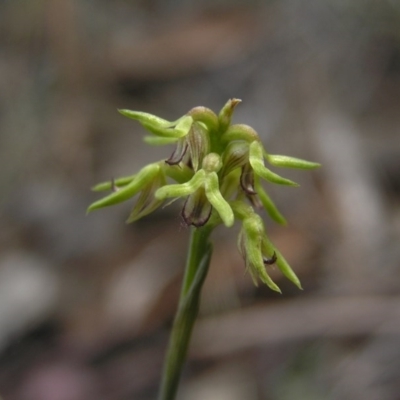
column 258, row 251
column 218, row 168
column 203, row 193
column 215, row 167
column 145, row 182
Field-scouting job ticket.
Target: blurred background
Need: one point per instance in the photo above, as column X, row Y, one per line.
column 87, row 302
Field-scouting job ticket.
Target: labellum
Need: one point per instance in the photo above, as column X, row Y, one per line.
column 197, row 209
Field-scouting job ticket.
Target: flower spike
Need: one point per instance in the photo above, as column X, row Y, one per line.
column 218, row 169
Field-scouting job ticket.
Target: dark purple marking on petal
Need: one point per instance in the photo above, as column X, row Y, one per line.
column 178, row 154
column 247, row 180
column 197, row 209
column 270, row 261
column 254, row 200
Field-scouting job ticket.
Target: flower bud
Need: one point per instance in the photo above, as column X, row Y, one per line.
column 212, row 162
column 240, row 132
column 205, row 116
column 225, row 114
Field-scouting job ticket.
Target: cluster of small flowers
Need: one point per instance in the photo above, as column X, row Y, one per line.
column 216, row 167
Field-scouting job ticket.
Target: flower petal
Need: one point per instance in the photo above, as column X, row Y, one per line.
column 179, row 152
column 240, row 132
column 283, row 265
column 247, row 180
column 205, row 116
column 159, row 141
column 109, row 185
column 199, row 144
column 197, row 209
column 159, row 126
column 141, row 179
column 148, row 119
column 291, row 162
column 183, row 189
column 225, row 114
column 235, row 156
column 257, row 162
column 253, row 231
column 218, row 202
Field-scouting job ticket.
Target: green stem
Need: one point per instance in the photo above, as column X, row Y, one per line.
column 198, row 261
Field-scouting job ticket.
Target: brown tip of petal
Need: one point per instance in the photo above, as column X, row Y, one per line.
column 235, row 102
column 270, row 261
column 247, row 180
column 254, row 200
column 178, row 154
column 196, row 211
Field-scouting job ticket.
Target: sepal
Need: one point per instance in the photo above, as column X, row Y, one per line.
column 141, row 179
column 291, row 162
column 226, row 113
column 256, row 160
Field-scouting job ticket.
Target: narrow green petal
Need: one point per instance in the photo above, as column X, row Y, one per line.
column 269, row 205
column 141, row 179
column 265, row 278
column 270, row 176
column 282, row 264
column 179, row 173
column 159, row 126
column 182, row 127
column 254, row 257
column 253, row 233
column 146, row 118
column 257, row 162
column 218, row 202
column 159, row 141
column 109, row 184
column 291, row 162
column 180, row 190
column 147, row 203
column 250, row 251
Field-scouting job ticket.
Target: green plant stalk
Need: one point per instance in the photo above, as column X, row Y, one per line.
column 197, row 264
